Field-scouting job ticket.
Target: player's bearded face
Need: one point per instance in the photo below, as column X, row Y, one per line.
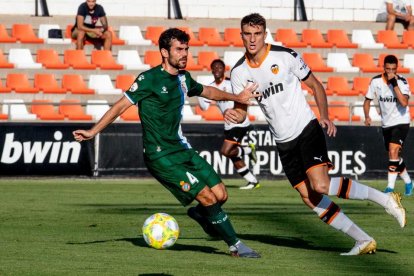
column 178, row 53
column 253, row 37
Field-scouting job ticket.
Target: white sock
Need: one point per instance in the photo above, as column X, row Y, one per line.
column 405, row 176
column 350, row 189
column 247, row 150
column 246, row 173
column 392, row 176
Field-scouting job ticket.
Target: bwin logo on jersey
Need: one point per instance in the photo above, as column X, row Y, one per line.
column 273, row 89
column 274, row 68
column 387, row 99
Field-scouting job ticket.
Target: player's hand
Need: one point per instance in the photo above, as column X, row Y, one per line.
column 330, row 127
column 233, row 116
column 249, row 92
column 82, row 135
column 367, row 121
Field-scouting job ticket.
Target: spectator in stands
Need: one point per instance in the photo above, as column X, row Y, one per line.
column 169, row 157
column 91, row 24
column 396, row 11
column 392, row 92
column 233, row 133
column 299, row 136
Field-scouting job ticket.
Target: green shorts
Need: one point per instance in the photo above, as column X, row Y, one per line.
column 184, row 174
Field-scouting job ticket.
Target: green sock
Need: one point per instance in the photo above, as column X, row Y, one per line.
column 221, row 223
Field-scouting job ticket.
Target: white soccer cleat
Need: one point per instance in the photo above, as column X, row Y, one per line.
column 395, row 208
column 362, row 247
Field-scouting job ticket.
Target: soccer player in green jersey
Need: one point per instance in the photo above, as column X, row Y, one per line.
column 159, row 93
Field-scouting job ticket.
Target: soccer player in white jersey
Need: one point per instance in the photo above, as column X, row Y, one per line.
column 233, row 133
column 299, row 136
column 392, row 92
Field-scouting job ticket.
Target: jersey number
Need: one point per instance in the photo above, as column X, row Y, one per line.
column 191, row 178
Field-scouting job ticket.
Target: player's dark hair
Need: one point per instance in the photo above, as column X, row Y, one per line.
column 253, row 19
column 167, row 36
column 391, row 59
column 217, row 61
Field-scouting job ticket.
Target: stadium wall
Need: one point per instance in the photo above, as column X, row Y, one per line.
column 332, row 10
column 49, row 149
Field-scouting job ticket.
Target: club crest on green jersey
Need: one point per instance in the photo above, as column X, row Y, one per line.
column 133, row 87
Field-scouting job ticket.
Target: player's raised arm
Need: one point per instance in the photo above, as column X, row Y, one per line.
column 244, row 97
column 117, row 109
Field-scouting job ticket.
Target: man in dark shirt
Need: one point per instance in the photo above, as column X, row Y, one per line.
column 91, row 23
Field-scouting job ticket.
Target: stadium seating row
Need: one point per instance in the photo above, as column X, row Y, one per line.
column 132, row 35
column 130, row 60
column 72, row 109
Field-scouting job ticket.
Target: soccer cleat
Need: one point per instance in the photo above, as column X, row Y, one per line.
column 252, row 154
column 395, row 208
column 388, row 190
column 243, row 251
column 408, row 189
column 250, row 186
column 204, row 223
column 362, row 247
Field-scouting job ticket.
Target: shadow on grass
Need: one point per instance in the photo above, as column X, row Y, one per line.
column 139, row 241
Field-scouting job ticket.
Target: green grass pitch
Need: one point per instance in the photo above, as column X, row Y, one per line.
column 93, row 227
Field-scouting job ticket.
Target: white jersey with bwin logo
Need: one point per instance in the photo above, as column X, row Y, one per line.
column 283, row 103
column 392, row 113
column 225, row 85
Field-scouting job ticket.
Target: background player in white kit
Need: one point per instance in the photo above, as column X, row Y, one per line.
column 392, row 92
column 299, row 136
column 233, row 133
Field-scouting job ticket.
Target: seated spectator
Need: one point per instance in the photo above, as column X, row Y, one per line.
column 91, row 24
column 399, row 11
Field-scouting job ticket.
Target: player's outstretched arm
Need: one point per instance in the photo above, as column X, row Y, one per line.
column 117, row 109
column 244, row 97
column 322, row 102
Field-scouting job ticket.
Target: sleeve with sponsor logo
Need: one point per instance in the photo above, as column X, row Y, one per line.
column 139, row 89
column 195, row 88
column 299, row 67
column 404, row 86
column 371, row 91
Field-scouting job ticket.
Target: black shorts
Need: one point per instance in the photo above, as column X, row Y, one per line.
column 236, row 134
column 304, row 152
column 395, row 135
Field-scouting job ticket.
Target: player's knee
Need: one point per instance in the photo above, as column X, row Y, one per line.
column 321, row 188
column 391, row 18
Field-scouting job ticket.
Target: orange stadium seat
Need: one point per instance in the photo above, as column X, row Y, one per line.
column 206, row 57
column 340, row 111
column 4, row 35
column 115, row 39
column 411, row 85
column 3, row 116
column 45, row 110
column 153, row 33
column 49, row 58
column 19, row 82
column 131, row 114
column 316, row 63
column 124, row 82
column 194, row 41
column 75, row 84
column 4, row 89
column 3, row 61
column 213, row 113
column 104, row 60
column 233, row 36
column 401, row 69
column 73, row 110
column 289, row 38
column 411, row 104
column 211, row 37
column 361, row 84
column 340, row 39
column 152, row 58
column 25, row 34
column 366, row 63
column 77, row 59
column 339, row 86
column 315, row 39
column 390, row 39
column 48, row 84
column 315, row 109
column 408, row 38
column 192, row 65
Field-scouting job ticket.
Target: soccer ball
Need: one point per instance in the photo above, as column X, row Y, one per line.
column 160, row 231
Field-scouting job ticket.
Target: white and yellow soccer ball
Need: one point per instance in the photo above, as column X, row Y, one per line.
column 160, row 231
